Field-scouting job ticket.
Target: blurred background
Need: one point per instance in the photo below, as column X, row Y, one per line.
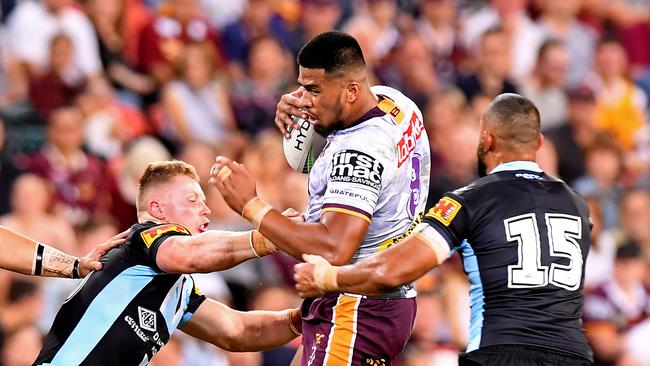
column 93, row 90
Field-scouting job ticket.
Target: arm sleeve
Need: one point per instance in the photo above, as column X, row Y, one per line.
column 196, row 299
column 450, row 217
column 356, row 175
column 153, row 237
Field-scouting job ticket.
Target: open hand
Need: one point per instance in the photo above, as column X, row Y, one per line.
column 290, row 105
column 90, row 262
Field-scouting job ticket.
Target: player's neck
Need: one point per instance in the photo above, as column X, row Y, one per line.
column 367, row 101
column 502, row 158
column 146, row 216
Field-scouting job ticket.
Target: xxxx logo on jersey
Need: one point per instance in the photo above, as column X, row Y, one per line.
column 445, row 210
column 149, row 236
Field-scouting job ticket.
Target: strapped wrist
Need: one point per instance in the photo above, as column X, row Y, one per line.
column 292, row 326
column 37, row 265
column 325, row 277
column 260, row 245
column 255, row 210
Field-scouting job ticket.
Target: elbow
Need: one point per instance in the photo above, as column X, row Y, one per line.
column 335, row 257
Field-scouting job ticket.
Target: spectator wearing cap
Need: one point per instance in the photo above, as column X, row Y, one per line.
column 612, row 310
column 545, row 87
column 572, row 138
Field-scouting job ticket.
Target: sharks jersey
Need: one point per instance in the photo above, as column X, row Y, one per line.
column 123, row 314
column 377, row 170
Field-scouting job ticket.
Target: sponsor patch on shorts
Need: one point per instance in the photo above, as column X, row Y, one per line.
column 369, row 360
column 353, row 166
column 445, row 210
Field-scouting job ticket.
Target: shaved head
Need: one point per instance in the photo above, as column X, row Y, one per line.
column 514, row 120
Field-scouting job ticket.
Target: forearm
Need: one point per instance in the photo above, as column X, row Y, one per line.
column 264, row 330
column 296, row 238
column 385, row 271
column 213, row 250
column 32, row 258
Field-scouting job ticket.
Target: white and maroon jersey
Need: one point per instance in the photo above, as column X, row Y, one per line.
column 377, row 170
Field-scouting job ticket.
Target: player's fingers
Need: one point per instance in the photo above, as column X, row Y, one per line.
column 280, row 123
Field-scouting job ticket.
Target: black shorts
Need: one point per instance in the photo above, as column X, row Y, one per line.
column 517, row 355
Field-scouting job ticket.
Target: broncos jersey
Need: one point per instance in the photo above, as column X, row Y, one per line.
column 523, row 237
column 377, row 170
column 123, row 314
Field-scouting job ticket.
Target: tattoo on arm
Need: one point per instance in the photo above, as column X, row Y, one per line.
column 57, row 263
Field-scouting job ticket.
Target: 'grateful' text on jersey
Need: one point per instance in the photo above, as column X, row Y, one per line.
column 377, row 170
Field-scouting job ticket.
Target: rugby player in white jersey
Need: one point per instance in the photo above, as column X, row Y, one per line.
column 367, row 190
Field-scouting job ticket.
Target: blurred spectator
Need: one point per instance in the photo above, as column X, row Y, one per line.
column 124, row 176
column 621, row 104
column 316, row 17
column 600, row 261
column 57, row 83
column 32, row 26
column 612, row 309
column 490, row 76
column 545, row 87
column 438, row 27
column 30, row 200
column 603, row 169
column 269, row 74
column 572, row 138
column 221, row 13
column 197, row 105
column 258, row 20
column 558, row 21
column 635, row 216
column 375, row 29
column 114, row 22
column 457, row 148
column 23, row 308
column 523, row 36
column 109, row 123
column 8, row 172
column 163, row 40
column 79, row 178
column 410, row 69
column 22, row 346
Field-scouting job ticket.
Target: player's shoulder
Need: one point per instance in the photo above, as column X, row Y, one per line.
column 147, row 232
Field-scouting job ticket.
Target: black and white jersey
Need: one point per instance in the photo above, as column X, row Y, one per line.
column 123, row 314
column 523, row 237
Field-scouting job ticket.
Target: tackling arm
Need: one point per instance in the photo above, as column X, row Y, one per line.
column 398, row 265
column 210, row 251
column 238, row 331
column 33, row 258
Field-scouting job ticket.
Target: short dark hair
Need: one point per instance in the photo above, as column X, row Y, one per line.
column 160, row 172
column 515, row 118
column 334, row 51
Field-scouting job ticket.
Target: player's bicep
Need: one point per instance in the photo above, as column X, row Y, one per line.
column 347, row 231
column 450, row 218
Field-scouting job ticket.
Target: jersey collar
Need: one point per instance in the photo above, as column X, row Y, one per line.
column 517, row 165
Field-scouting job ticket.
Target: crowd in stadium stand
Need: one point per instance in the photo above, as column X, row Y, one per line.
column 91, row 91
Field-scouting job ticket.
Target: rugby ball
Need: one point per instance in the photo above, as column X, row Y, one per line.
column 304, row 145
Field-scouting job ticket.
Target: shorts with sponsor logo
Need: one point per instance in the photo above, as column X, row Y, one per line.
column 347, row 329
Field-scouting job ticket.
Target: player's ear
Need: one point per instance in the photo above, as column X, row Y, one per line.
column 352, row 91
column 155, row 210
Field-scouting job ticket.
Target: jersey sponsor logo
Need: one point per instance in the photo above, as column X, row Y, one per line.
column 406, row 145
column 149, row 236
column 345, row 193
column 353, row 166
column 445, row 210
column 147, row 319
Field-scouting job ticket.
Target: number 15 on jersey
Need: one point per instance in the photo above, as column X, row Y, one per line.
column 564, row 233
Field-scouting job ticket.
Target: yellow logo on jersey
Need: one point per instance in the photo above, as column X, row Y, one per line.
column 445, row 210
column 149, row 236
